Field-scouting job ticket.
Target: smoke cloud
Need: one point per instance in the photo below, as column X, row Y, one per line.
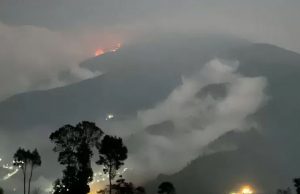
column 33, row 58
column 197, row 120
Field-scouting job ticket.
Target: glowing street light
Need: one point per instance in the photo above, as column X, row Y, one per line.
column 246, row 190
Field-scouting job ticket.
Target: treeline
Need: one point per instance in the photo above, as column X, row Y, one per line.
column 288, row 190
column 75, row 146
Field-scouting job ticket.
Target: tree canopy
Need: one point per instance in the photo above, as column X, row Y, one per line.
column 74, row 145
column 297, row 185
column 25, row 159
column 166, row 188
column 112, row 154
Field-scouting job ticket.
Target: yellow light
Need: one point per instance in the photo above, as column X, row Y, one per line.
column 96, row 187
column 246, row 190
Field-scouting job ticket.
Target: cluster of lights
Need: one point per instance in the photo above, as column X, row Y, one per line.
column 101, row 177
column 98, row 177
column 7, row 166
column 12, row 168
column 51, row 190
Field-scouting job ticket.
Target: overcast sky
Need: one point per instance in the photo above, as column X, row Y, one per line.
column 267, row 20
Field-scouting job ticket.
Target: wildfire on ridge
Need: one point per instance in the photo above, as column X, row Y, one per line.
column 101, row 51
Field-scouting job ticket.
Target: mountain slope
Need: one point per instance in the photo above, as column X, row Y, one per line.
column 140, row 76
column 252, row 163
column 122, row 92
column 136, row 77
column 234, row 159
column 280, row 116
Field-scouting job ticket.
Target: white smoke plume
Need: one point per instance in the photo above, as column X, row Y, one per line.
column 197, row 121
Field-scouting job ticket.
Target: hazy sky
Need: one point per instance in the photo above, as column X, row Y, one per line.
column 40, row 39
column 267, row 20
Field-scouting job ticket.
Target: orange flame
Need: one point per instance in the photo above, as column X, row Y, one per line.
column 99, row 52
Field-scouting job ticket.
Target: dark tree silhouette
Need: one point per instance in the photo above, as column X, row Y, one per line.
column 297, row 185
column 124, row 187
column 21, row 159
column 34, row 161
column 112, row 154
column 166, row 188
column 284, row 191
column 58, row 187
column 1, row 191
column 74, row 145
column 25, row 159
